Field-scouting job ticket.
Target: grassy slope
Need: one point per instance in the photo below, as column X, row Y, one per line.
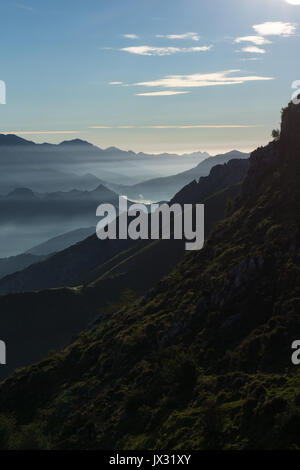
column 203, row 360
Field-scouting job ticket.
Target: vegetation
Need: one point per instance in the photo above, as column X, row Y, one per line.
column 203, row 361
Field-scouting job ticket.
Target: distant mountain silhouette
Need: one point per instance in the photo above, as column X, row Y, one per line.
column 43, row 179
column 75, row 142
column 32, row 165
column 72, row 147
column 22, row 194
column 61, row 242
column 46, row 215
column 12, row 140
column 165, row 188
column 23, row 205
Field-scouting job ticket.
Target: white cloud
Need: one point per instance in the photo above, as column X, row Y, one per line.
column 202, row 80
column 254, row 50
column 162, row 93
column 258, row 40
column 115, row 83
column 293, row 2
column 193, row 36
column 162, row 51
column 275, row 28
column 131, row 36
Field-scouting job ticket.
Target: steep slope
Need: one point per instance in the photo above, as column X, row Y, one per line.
column 203, row 360
column 51, row 318
column 61, row 242
column 163, row 189
column 67, row 268
column 18, row 263
column 40, row 252
column 220, row 178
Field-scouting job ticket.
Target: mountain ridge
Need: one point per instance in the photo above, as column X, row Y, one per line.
column 164, row 188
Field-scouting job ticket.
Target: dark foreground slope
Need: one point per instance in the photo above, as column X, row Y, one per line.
column 220, row 178
column 204, row 359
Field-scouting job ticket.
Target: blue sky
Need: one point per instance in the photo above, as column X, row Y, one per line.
column 150, row 75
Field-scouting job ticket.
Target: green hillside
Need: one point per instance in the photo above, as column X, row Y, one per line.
column 203, row 360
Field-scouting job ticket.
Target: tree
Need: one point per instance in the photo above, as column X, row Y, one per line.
column 276, row 134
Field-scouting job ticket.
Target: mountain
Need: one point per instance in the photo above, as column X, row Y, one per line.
column 77, row 164
column 45, row 179
column 18, row 263
column 18, row 149
column 165, row 188
column 220, row 177
column 23, row 194
column 203, row 360
column 61, row 242
column 40, row 252
column 214, row 191
column 11, row 140
column 75, row 143
column 29, row 218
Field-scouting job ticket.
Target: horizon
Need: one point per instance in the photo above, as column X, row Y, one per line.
column 136, row 151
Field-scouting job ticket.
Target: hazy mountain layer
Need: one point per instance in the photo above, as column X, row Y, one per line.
column 73, row 265
column 28, row 218
column 163, row 189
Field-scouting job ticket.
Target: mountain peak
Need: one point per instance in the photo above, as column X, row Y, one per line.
column 24, row 193
column 12, row 140
column 75, row 142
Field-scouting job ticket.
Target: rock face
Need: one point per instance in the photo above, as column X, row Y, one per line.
column 279, row 161
column 204, row 360
column 220, row 177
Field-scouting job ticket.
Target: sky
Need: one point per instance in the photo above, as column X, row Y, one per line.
column 149, row 75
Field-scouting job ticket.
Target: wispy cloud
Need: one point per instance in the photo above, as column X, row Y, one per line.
column 202, row 80
column 162, row 93
column 115, row 83
column 258, row 40
column 39, row 132
column 25, row 7
column 244, row 59
column 183, row 126
column 275, row 28
column 163, row 51
column 131, row 36
column 254, row 50
column 193, row 36
column 293, row 2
